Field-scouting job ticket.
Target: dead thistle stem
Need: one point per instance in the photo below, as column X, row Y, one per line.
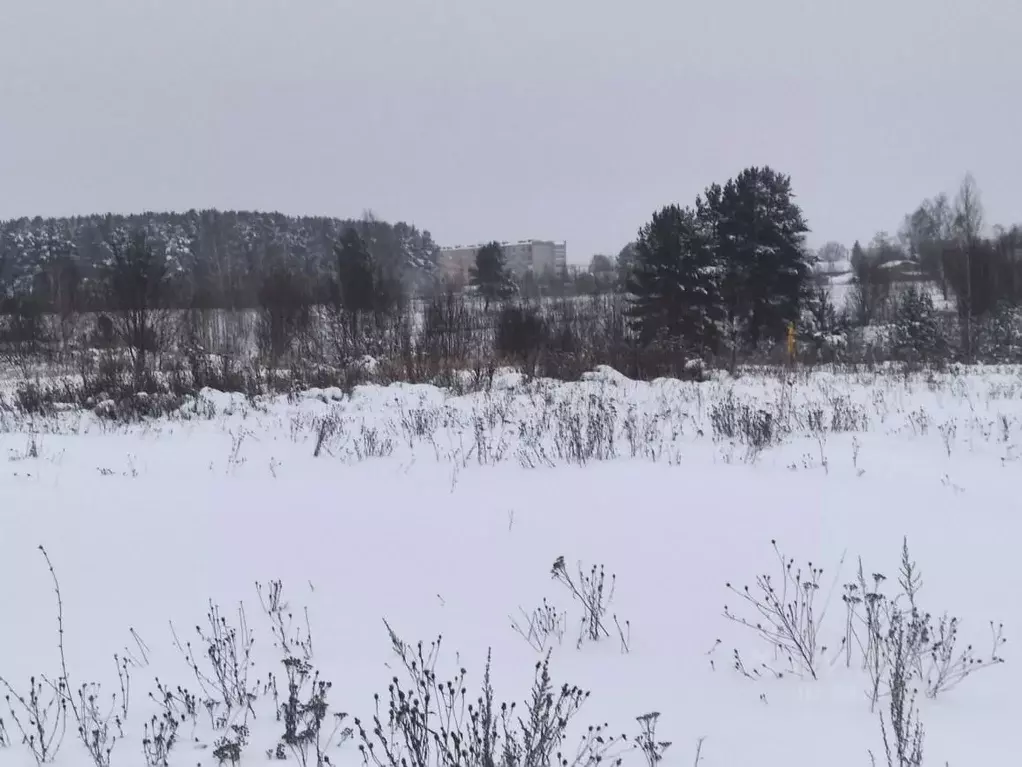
column 624, row 634
column 228, row 651
column 425, row 720
column 791, row 621
column 539, row 627
column 42, row 735
column 289, row 638
column 65, row 680
column 326, row 428
column 63, row 684
column 124, row 678
column 93, row 726
column 652, row 749
column 592, row 594
column 143, row 649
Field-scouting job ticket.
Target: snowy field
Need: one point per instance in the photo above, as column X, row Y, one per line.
column 445, row 516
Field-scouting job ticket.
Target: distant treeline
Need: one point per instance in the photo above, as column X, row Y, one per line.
column 215, row 259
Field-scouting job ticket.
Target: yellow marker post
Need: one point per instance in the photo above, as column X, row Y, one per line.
column 791, row 342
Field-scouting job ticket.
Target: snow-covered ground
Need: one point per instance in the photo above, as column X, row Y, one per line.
column 445, row 516
column 841, row 288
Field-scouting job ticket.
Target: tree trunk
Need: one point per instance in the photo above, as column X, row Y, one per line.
column 968, row 302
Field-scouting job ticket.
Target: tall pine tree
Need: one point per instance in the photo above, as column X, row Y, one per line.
column 916, row 334
column 490, row 275
column 674, row 281
column 737, row 263
column 362, row 287
column 355, row 284
column 760, row 238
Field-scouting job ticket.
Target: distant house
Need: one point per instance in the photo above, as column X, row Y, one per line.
column 903, row 271
column 537, row 256
column 833, row 268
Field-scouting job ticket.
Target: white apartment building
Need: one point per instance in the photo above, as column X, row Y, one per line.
column 537, row 256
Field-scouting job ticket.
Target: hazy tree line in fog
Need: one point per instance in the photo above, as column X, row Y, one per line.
column 213, row 259
column 724, row 279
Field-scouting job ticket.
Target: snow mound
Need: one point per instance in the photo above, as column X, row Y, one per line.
column 214, row 402
column 607, row 375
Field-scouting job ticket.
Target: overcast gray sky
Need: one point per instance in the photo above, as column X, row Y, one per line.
column 509, row 119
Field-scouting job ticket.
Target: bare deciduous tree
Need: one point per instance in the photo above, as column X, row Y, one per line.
column 968, row 225
column 927, row 233
column 968, row 211
column 871, row 280
column 831, row 253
